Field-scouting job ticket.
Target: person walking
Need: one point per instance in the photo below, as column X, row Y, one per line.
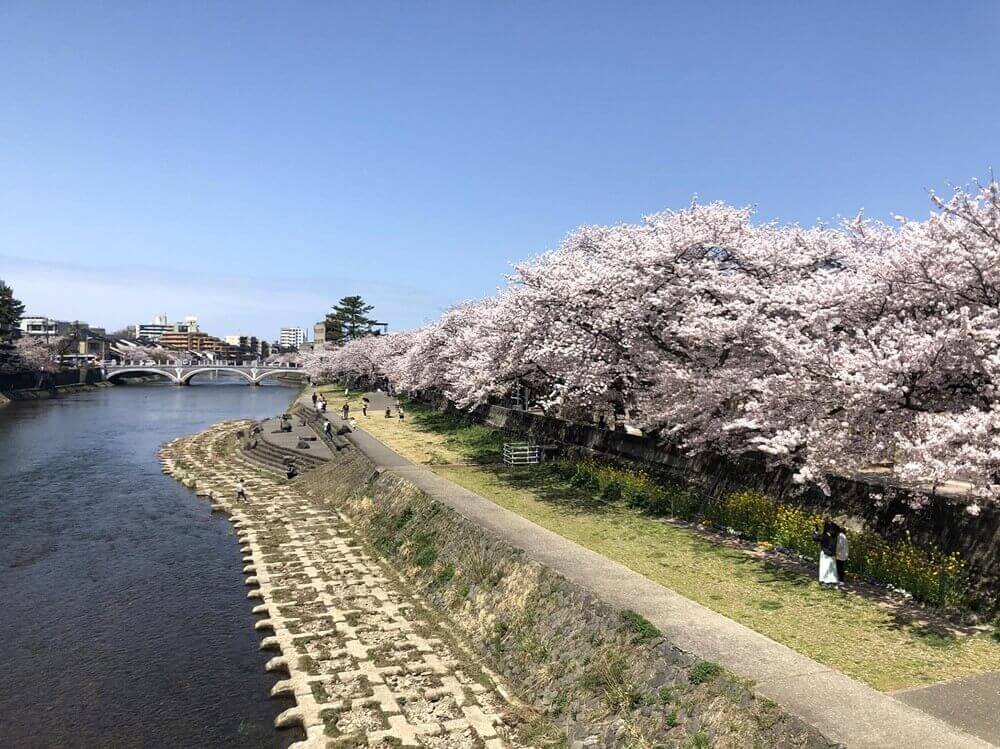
column 241, row 492
column 388, row 412
column 827, row 541
column 364, row 407
column 842, row 551
column 322, row 405
column 315, row 398
column 400, row 410
column 346, row 408
column 327, row 428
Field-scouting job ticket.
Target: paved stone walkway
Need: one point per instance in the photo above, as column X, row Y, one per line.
column 841, row 708
column 366, row 664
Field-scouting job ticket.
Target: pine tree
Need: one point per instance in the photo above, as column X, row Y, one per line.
column 11, row 310
column 349, row 320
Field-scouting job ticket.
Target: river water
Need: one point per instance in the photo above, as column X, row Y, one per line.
column 124, row 620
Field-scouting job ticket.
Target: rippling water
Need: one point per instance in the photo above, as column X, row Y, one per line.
column 124, row 620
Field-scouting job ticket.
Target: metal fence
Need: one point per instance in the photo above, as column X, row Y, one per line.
column 520, row 454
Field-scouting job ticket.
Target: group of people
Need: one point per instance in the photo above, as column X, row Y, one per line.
column 833, row 551
column 319, row 402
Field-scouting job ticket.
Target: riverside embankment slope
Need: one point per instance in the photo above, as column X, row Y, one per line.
column 838, row 706
column 389, row 610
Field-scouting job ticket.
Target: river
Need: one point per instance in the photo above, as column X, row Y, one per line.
column 124, row 619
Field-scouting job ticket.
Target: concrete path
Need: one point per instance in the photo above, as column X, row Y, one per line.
column 844, row 710
column 972, row 703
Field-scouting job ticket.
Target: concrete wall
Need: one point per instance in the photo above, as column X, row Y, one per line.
column 873, row 505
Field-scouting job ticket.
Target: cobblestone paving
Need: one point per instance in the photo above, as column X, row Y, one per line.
column 365, row 665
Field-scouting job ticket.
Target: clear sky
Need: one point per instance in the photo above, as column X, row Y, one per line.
column 250, row 162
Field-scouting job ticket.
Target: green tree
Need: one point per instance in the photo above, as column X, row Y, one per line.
column 11, row 310
column 349, row 320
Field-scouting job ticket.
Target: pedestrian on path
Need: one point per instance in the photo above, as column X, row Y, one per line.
column 346, row 408
column 841, row 554
column 364, row 407
column 327, row 428
column 388, row 412
column 315, row 398
column 827, row 541
column 241, row 492
column 322, row 405
column 400, row 410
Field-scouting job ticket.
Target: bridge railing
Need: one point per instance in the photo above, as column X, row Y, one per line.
column 191, row 363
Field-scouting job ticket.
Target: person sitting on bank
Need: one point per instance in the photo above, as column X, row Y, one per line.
column 291, row 471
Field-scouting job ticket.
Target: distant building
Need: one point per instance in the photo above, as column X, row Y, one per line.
column 194, row 340
column 292, row 337
column 46, row 326
column 247, row 344
column 319, row 332
column 154, row 330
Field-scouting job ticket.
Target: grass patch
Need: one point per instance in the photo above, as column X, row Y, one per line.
column 641, row 628
column 704, row 671
column 840, row 629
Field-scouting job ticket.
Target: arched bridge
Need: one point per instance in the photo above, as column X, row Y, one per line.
column 181, row 372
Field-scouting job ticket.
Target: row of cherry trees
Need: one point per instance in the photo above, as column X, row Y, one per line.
column 829, row 349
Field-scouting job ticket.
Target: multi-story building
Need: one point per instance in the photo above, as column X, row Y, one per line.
column 194, row 340
column 292, row 337
column 154, row 330
column 46, row 326
column 248, row 345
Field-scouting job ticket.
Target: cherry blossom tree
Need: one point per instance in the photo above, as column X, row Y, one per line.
column 831, row 350
column 35, row 354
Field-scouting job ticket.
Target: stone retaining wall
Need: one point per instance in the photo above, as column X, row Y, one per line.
column 607, row 678
column 942, row 522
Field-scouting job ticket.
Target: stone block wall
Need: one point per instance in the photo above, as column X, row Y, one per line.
column 871, row 504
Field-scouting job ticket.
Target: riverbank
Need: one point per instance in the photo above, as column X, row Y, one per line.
column 894, row 645
column 387, row 606
column 10, row 396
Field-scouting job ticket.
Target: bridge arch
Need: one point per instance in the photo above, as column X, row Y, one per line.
column 274, row 372
column 185, row 378
column 143, row 370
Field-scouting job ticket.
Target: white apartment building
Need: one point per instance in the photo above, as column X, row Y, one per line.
column 292, row 337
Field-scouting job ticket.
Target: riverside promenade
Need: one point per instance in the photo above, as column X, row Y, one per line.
column 364, row 660
column 841, row 708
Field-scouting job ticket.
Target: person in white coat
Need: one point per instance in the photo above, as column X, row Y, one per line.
column 827, row 541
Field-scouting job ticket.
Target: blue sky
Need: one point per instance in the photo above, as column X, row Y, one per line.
column 250, row 163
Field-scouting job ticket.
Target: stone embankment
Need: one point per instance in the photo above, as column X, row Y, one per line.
column 365, row 662
column 400, row 621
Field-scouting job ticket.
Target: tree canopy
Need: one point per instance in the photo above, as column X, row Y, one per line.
column 11, row 310
column 831, row 350
column 349, row 320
